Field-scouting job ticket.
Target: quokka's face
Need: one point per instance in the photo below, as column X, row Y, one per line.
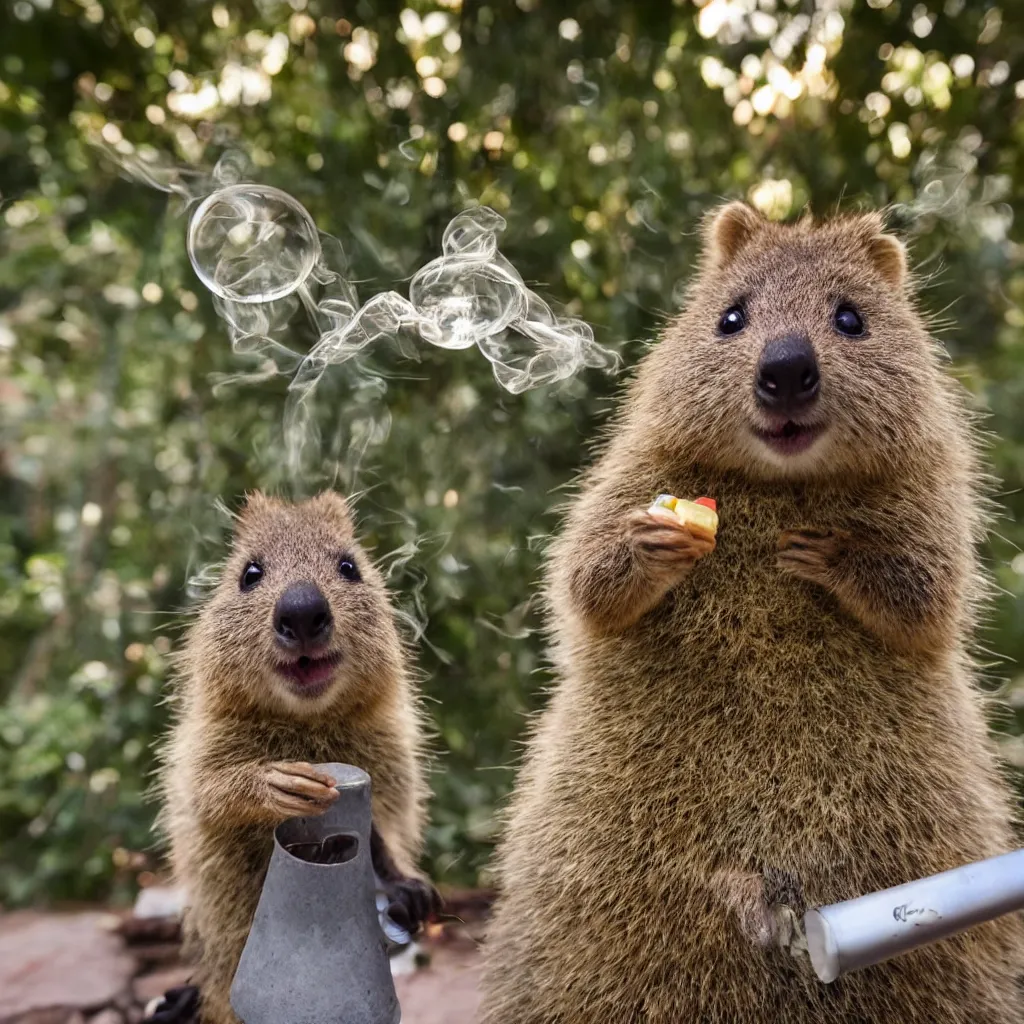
column 800, row 353
column 300, row 611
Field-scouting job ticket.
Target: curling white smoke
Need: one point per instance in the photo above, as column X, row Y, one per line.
column 259, row 252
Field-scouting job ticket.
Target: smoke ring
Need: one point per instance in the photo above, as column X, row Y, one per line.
column 238, row 268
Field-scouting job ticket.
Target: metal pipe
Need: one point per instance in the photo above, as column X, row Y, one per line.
column 847, row 936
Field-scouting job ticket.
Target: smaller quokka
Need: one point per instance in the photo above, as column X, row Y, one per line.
column 295, row 660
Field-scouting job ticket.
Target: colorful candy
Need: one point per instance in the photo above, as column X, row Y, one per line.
column 701, row 515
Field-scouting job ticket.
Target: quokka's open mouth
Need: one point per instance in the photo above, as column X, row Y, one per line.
column 310, row 676
column 790, row 437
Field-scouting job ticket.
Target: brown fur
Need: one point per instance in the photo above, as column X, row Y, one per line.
column 241, row 735
column 788, row 720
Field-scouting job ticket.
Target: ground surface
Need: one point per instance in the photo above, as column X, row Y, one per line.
column 446, row 992
column 98, row 968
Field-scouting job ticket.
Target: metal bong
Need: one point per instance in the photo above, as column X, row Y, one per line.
column 316, row 953
column 847, row 936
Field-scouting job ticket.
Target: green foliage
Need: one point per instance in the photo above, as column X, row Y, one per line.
column 601, row 137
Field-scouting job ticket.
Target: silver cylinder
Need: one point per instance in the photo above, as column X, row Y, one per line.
column 847, row 936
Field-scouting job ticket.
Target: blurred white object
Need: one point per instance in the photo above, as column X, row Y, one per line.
column 404, row 961
column 160, row 901
column 398, row 938
column 847, row 936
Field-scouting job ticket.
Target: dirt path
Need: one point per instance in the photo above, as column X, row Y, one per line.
column 78, row 969
column 446, row 991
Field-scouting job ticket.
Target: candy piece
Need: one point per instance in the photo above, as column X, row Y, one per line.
column 701, row 516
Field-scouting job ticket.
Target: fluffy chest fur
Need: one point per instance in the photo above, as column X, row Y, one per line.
column 748, row 705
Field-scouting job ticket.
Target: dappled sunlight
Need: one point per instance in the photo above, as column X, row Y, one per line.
column 455, row 221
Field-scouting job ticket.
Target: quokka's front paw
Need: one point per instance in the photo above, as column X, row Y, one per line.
column 810, row 554
column 296, row 789
column 665, row 547
column 411, row 902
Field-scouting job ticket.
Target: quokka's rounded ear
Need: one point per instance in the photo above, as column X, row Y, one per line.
column 335, row 505
column 888, row 256
column 253, row 503
column 728, row 230
column 885, row 252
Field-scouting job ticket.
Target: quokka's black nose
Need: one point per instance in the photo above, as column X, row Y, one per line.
column 787, row 374
column 302, row 617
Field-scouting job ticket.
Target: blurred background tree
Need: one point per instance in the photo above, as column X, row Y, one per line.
column 601, row 131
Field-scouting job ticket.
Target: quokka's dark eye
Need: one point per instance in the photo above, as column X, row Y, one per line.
column 733, row 320
column 347, row 569
column 251, row 575
column 848, row 321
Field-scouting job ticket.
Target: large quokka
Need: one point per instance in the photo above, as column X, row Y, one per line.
column 782, row 718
